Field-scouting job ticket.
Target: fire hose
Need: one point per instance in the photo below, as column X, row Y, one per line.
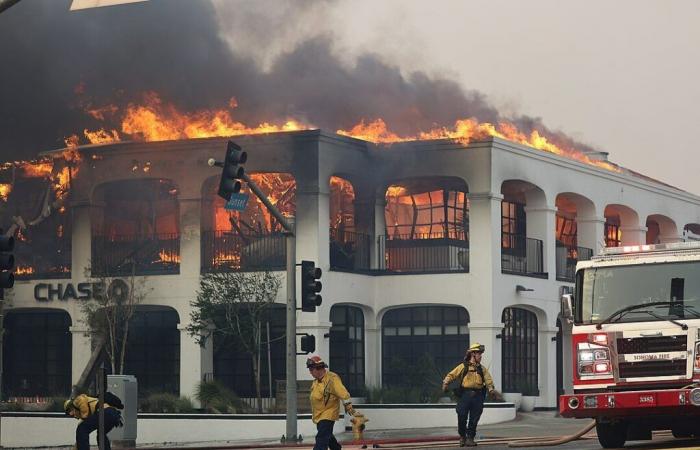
column 549, row 442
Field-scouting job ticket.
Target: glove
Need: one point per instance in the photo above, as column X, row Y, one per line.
column 444, row 388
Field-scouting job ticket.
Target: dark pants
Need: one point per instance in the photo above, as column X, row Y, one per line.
column 324, row 436
column 469, row 409
column 87, row 426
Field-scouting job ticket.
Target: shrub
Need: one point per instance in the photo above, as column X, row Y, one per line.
column 165, row 402
column 12, row 406
column 217, row 398
column 403, row 394
column 55, row 404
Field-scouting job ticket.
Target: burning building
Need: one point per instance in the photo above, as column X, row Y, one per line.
column 425, row 246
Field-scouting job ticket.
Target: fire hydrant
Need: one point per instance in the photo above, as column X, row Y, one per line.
column 358, row 426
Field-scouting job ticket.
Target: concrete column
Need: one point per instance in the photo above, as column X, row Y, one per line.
column 195, row 362
column 312, row 221
column 379, row 261
column 81, row 351
column 547, row 368
column 541, row 224
column 81, row 240
column 484, row 244
column 373, row 358
column 190, row 237
column 591, row 233
column 485, row 333
column 634, row 235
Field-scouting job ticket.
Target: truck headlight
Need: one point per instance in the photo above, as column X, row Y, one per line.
column 593, row 360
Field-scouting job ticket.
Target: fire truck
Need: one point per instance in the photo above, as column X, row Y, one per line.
column 635, row 341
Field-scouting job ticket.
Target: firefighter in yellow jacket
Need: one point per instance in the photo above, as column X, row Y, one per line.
column 84, row 408
column 327, row 391
column 475, row 382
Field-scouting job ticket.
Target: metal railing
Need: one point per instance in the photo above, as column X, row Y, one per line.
column 224, row 251
column 567, row 257
column 47, row 262
column 434, row 252
column 141, row 255
column 349, row 250
column 521, row 255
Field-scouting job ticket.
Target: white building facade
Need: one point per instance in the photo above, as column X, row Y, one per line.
column 434, row 245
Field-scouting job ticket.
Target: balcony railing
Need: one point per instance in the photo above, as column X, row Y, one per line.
column 567, row 257
column 521, row 255
column 424, row 253
column 139, row 255
column 35, row 261
column 224, row 251
column 349, row 250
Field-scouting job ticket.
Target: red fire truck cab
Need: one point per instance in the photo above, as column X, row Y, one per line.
column 635, row 342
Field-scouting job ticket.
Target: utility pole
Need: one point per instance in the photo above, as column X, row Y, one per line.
column 232, row 171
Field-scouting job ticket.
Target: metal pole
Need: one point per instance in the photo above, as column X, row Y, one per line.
column 269, row 362
column 291, row 337
column 101, row 387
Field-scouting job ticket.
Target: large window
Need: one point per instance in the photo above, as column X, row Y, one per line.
column 153, row 351
column 414, row 212
column 233, row 366
column 37, row 353
column 519, row 340
column 347, row 345
column 613, row 234
column 430, row 338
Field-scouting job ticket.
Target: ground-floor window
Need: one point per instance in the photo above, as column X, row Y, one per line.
column 153, row 351
column 429, row 340
column 519, row 360
column 347, row 345
column 233, row 365
column 37, row 353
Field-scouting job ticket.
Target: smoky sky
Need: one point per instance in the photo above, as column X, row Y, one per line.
column 55, row 62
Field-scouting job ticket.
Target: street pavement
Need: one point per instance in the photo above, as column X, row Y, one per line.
column 539, row 424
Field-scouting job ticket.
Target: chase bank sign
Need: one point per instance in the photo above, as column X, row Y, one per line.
column 46, row 292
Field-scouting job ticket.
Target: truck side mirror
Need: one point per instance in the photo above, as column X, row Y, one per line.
column 567, row 311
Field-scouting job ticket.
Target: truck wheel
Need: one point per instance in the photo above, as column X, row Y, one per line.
column 611, row 435
column 682, row 432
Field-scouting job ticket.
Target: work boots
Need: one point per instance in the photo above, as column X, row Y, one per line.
column 462, row 441
column 467, row 442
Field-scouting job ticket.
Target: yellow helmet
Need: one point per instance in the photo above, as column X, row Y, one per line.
column 476, row 347
column 68, row 406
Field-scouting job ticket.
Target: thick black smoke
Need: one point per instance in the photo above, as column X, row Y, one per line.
column 173, row 47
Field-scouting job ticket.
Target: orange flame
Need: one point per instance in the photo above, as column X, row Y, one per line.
column 168, row 257
column 5, row 190
column 465, row 131
column 155, row 120
column 24, row 270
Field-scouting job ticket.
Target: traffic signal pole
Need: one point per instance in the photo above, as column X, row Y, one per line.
column 291, row 330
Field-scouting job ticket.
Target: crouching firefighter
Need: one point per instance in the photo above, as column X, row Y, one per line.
column 85, row 409
column 474, row 383
column 327, row 391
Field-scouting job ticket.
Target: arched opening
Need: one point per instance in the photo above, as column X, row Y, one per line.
column 568, row 250
column 427, row 226
column 153, row 350
column 42, row 250
column 233, row 365
column 347, row 345
column 521, row 251
column 136, row 228
column 421, row 341
column 37, row 353
column 622, row 226
column 251, row 239
column 661, row 230
column 349, row 250
column 519, row 351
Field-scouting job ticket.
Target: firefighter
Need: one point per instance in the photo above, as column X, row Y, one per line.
column 475, row 381
column 327, row 391
column 84, row 408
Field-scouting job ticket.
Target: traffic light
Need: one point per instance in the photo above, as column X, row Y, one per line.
column 7, row 261
column 308, row 343
column 310, row 286
column 232, row 170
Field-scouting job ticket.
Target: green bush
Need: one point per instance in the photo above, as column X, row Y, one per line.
column 55, row 404
column 217, row 398
column 12, row 406
column 402, row 394
column 165, row 402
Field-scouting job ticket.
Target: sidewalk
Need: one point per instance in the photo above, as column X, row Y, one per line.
column 534, row 424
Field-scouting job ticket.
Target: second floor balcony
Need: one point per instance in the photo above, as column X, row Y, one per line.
column 567, row 257
column 224, row 251
column 53, row 261
column 522, row 255
column 157, row 254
